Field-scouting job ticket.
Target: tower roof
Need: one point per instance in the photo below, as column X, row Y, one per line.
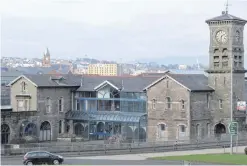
column 47, row 53
column 226, row 17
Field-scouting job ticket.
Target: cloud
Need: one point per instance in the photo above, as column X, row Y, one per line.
column 106, row 29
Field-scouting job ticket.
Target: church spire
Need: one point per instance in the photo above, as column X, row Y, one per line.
column 47, row 53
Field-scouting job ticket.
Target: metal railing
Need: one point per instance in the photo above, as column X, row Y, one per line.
column 80, row 148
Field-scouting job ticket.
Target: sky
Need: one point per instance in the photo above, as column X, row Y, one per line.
column 121, row 30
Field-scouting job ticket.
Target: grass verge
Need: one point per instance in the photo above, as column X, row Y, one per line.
column 238, row 159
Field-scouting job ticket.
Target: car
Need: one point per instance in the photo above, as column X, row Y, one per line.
column 42, row 157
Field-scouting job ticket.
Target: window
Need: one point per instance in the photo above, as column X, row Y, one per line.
column 224, row 80
column 182, row 128
column 182, row 104
column 20, row 105
column 167, row 84
column 153, row 103
column 208, row 129
column 168, row 103
column 162, row 127
column 26, row 106
column 60, row 127
column 220, row 104
column 208, row 100
column 197, row 130
column 60, row 104
column 215, row 81
column 77, row 105
column 48, row 104
column 23, row 86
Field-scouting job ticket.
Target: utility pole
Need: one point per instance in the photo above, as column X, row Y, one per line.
column 231, row 109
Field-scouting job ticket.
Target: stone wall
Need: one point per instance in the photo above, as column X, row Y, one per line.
column 172, row 117
column 15, row 119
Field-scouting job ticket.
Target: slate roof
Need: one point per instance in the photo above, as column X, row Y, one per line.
column 194, row 82
column 226, row 16
column 130, row 84
column 46, row 80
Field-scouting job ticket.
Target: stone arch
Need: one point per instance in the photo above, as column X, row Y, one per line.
column 28, row 131
column 181, row 134
column 128, row 133
column 100, row 127
column 140, row 134
column 161, row 130
column 79, row 129
column 85, row 133
column 5, row 133
column 45, row 131
column 219, row 129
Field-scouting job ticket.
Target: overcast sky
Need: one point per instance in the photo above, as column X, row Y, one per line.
column 104, row 29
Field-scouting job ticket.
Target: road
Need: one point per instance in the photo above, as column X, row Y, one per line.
column 100, row 162
column 82, row 161
column 127, row 159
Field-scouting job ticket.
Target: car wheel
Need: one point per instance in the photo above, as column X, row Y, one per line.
column 29, row 163
column 55, row 162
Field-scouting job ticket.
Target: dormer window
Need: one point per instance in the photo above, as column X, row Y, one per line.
column 23, row 86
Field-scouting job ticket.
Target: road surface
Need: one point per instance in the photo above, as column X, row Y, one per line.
column 82, row 161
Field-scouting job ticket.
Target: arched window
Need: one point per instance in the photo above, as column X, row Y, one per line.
column 5, row 133
column 23, row 86
column 45, row 131
column 79, row 129
column 162, row 127
column 168, row 103
column 182, row 104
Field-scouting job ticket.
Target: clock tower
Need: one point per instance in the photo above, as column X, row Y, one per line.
column 46, row 59
column 226, row 57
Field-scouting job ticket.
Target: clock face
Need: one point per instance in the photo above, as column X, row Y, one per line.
column 221, row 36
column 237, row 37
column 46, row 58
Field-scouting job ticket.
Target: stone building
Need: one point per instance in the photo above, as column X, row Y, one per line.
column 191, row 106
column 38, row 103
column 48, row 107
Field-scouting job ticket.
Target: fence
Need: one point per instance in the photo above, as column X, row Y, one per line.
column 94, row 148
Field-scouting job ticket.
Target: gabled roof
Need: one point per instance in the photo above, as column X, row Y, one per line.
column 226, row 17
column 192, row 82
column 46, row 80
column 126, row 84
column 106, row 82
column 21, row 76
